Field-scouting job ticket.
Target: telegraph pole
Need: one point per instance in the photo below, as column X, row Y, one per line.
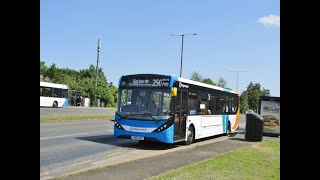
column 182, row 36
column 98, row 50
column 237, row 76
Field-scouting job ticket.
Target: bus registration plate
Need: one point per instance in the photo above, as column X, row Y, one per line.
column 137, row 137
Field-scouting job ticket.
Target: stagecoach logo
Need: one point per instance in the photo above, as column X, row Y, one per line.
column 137, row 129
column 183, row 85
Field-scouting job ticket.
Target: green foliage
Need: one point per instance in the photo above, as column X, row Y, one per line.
column 208, row 81
column 222, row 82
column 43, row 67
column 83, row 81
column 244, row 105
column 195, row 76
column 254, row 92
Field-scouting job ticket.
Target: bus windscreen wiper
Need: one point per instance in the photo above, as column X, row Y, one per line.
column 146, row 113
column 121, row 117
column 150, row 116
column 132, row 114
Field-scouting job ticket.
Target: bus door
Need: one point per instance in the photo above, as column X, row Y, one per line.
column 180, row 114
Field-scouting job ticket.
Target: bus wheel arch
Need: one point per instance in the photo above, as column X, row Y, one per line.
column 55, row 104
column 190, row 135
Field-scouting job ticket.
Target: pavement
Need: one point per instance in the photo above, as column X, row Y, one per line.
column 141, row 165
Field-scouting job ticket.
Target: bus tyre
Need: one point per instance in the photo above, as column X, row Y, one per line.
column 190, row 135
column 55, row 104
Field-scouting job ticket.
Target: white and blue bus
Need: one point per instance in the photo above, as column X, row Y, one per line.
column 53, row 95
column 170, row 109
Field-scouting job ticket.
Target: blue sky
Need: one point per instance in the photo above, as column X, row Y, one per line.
column 135, row 38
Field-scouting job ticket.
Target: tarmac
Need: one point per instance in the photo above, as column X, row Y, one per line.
column 151, row 166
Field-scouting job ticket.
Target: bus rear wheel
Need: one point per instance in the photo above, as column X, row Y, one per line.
column 55, row 104
column 190, row 135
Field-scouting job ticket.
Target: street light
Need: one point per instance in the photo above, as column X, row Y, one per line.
column 182, row 35
column 237, row 76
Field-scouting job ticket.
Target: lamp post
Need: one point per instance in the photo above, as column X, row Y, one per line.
column 182, row 36
column 237, row 76
column 97, row 70
column 98, row 50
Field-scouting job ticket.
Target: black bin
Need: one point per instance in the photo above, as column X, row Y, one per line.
column 254, row 127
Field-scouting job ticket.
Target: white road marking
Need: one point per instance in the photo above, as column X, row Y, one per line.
column 80, row 163
column 54, row 137
column 113, row 154
column 45, row 177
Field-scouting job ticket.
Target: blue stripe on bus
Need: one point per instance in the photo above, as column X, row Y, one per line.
column 227, row 90
column 65, row 103
column 173, row 79
column 227, row 120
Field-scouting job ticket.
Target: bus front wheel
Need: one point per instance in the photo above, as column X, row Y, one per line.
column 55, row 104
column 190, row 135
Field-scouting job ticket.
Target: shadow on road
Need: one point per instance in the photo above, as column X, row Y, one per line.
column 127, row 143
column 238, row 139
column 136, row 144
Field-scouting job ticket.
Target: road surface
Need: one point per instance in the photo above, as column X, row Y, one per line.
column 72, row 146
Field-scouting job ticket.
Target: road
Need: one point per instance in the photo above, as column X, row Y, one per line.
column 77, row 110
column 73, row 146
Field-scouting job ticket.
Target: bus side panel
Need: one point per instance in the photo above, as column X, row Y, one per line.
column 42, row 101
column 64, row 102
column 206, row 129
column 48, row 101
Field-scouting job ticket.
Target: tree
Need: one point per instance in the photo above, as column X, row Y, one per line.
column 222, row 82
column 52, row 73
column 43, row 67
column 254, row 93
column 83, row 82
column 208, row 81
column 244, row 102
column 195, row 76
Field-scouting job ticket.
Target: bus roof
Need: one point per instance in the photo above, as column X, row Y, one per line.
column 206, row 85
column 54, row 85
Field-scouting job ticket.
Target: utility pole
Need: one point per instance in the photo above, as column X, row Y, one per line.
column 98, row 50
column 182, row 36
column 237, row 76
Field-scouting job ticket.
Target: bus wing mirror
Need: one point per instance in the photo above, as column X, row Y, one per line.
column 174, row 91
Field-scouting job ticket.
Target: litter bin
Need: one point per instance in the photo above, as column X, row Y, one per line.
column 254, row 127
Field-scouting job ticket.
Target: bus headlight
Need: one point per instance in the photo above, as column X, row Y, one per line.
column 162, row 128
column 116, row 124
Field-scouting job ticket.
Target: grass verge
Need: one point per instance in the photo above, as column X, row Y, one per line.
column 260, row 161
column 74, row 117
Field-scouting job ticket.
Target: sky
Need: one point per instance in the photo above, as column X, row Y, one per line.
column 135, row 38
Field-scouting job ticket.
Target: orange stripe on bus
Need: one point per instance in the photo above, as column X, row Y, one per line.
column 237, row 119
